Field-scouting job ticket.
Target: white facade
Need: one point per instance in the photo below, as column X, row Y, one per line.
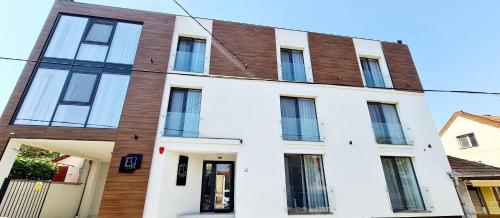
column 354, row 174
column 240, row 121
column 488, row 149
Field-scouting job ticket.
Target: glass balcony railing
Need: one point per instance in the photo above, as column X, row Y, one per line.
column 182, row 124
column 293, row 72
column 189, row 61
column 300, row 129
column 390, row 133
column 300, row 203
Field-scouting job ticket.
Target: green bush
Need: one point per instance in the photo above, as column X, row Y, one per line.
column 33, row 168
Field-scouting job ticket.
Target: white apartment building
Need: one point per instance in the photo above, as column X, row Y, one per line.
column 230, row 146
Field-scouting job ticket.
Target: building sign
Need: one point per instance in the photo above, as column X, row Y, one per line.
column 130, row 163
column 182, row 170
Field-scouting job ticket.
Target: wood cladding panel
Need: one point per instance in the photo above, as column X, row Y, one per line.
column 334, row 60
column 401, row 67
column 124, row 194
column 255, row 45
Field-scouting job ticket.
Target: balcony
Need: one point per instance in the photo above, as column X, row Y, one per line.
column 182, row 124
column 391, row 133
column 300, row 129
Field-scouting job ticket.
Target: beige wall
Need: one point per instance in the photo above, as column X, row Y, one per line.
column 488, row 138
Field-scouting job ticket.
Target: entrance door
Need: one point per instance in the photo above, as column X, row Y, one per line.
column 217, row 187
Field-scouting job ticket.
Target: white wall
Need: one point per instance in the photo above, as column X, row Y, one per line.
column 487, row 137
column 372, row 49
column 187, row 27
column 297, row 40
column 74, row 164
column 354, row 173
column 62, row 200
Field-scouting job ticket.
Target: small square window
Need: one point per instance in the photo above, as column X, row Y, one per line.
column 99, row 32
column 80, row 88
column 467, row 140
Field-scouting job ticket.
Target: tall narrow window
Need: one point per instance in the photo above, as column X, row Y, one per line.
column 372, row 73
column 298, row 119
column 183, row 114
column 190, row 56
column 92, row 92
column 402, row 184
column 386, row 124
column 292, row 65
column 305, row 184
column 467, row 140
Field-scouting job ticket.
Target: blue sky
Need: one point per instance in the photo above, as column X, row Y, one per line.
column 455, row 43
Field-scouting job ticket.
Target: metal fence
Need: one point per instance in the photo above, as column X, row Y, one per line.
column 23, row 198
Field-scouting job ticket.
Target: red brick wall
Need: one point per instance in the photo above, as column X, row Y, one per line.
column 401, row 67
column 255, row 45
column 333, row 60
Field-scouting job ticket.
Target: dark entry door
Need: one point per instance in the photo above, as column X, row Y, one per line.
column 217, row 187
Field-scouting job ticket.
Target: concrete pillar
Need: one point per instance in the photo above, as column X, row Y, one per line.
column 7, row 161
column 466, row 201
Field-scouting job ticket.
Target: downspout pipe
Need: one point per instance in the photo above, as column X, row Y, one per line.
column 454, row 177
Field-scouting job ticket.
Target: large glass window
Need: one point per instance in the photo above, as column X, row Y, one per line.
column 402, row 184
column 190, row 56
column 305, row 184
column 386, row 124
column 298, row 119
column 292, row 65
column 183, row 116
column 372, row 73
column 77, row 87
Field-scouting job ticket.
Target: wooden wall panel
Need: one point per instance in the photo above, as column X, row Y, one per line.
column 401, row 67
column 255, row 45
column 334, row 60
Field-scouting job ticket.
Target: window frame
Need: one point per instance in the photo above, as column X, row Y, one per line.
column 290, row 51
column 369, row 58
column 398, row 179
column 93, row 21
column 325, row 186
column 381, row 114
column 192, row 39
column 299, row 129
column 184, row 105
column 471, row 139
column 74, row 65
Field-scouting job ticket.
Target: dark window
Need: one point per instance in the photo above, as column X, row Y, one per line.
column 85, row 78
column 386, row 124
column 183, row 116
column 190, row 55
column 305, row 184
column 402, row 184
column 372, row 73
column 99, row 32
column 292, row 65
column 467, row 140
column 298, row 119
column 80, row 87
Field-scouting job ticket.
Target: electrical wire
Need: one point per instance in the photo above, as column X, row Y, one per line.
column 497, row 94
column 216, row 39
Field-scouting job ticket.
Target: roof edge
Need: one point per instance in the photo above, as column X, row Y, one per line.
column 473, row 117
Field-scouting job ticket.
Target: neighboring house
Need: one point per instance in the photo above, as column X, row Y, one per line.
column 473, row 137
column 245, row 121
column 69, row 169
column 478, row 186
